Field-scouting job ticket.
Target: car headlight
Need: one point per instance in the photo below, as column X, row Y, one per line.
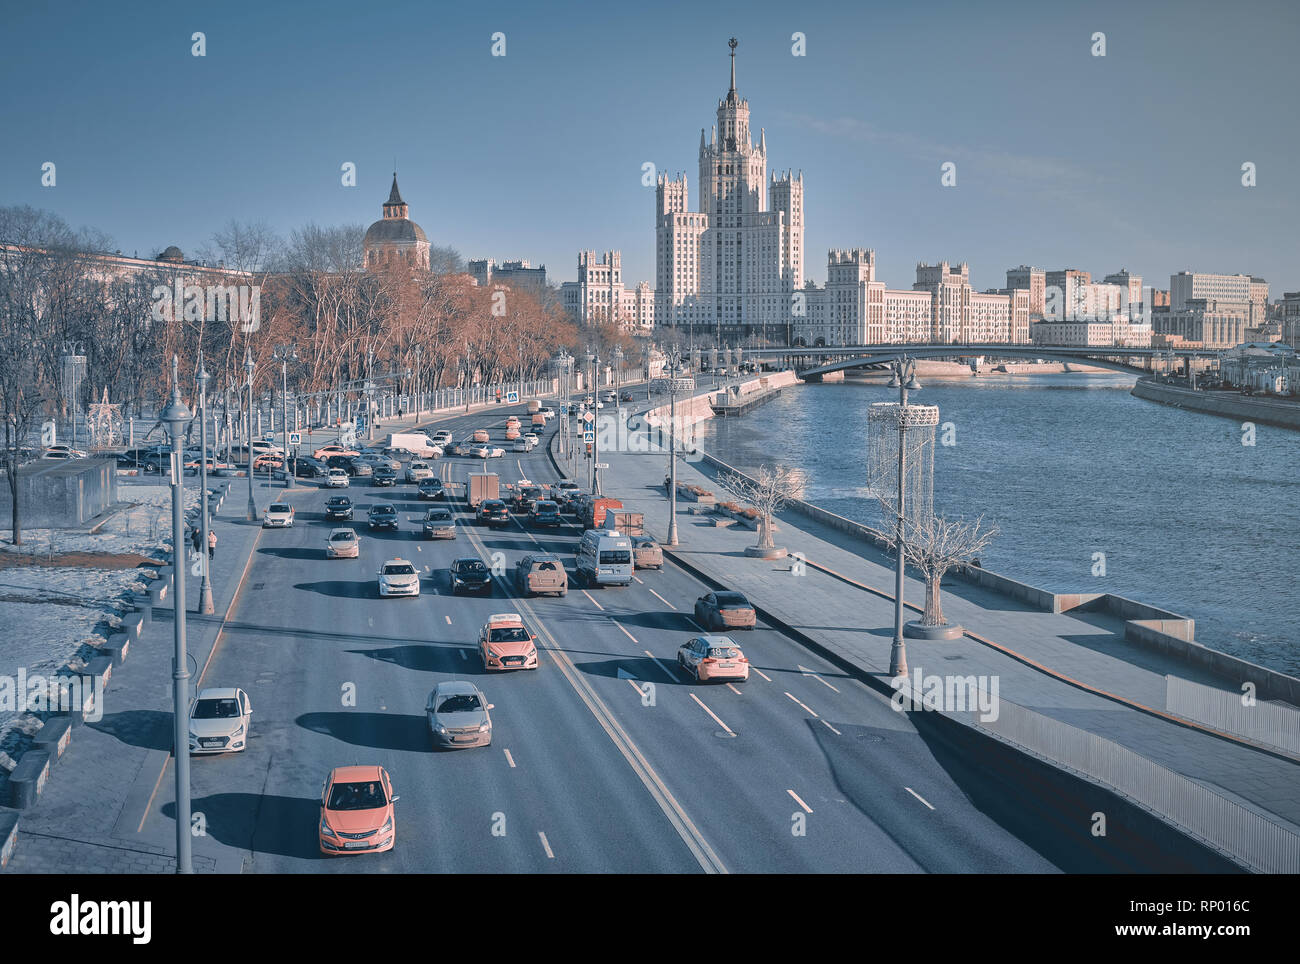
column 325, row 828
column 388, row 826
column 442, row 730
column 484, row 728
column 532, row 653
column 238, row 733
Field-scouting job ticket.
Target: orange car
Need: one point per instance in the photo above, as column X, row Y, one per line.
column 481, row 435
column 356, row 811
column 325, row 451
column 712, row 658
column 506, row 643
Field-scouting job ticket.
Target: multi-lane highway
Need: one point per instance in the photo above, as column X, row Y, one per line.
column 606, row 759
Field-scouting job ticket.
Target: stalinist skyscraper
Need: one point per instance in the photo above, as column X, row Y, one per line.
column 727, row 271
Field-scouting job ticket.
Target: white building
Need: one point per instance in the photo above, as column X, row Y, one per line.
column 1117, row 333
column 600, row 297
column 727, row 271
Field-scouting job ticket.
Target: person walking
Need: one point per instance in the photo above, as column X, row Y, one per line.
column 212, row 542
column 196, row 538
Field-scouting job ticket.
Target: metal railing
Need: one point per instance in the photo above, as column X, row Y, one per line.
column 1249, row 837
column 1270, row 724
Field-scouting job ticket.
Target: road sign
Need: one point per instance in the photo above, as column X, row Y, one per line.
column 602, row 465
column 512, row 398
column 589, row 435
column 588, row 417
column 564, row 409
column 295, row 438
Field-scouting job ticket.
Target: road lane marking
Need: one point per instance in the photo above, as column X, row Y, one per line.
column 639, row 691
column 546, row 846
column 620, row 626
column 663, row 600
column 464, row 655
column 831, row 728
column 918, row 796
column 760, row 672
column 693, row 622
column 806, row 808
column 805, row 707
column 593, row 600
column 639, row 579
column 662, row 666
column 712, row 714
column 448, row 618
column 734, row 690
column 510, row 759
column 807, row 672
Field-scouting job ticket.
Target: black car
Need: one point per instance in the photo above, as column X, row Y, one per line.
column 306, row 467
column 383, row 475
column 431, row 489
column 339, row 509
column 545, row 513
column 151, row 460
column 493, row 512
column 470, row 575
column 382, row 516
column 627, row 397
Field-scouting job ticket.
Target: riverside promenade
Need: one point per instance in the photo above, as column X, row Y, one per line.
column 1076, row 668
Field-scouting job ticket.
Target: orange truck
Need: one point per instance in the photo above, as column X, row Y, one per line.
column 593, row 509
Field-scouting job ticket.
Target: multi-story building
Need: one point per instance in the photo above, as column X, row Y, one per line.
column 516, row 274
column 1205, row 321
column 600, row 297
column 1067, row 294
column 1289, row 315
column 1117, row 332
column 950, row 292
column 727, row 271
column 1033, row 280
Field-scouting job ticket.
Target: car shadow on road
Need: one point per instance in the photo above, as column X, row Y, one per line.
column 428, row 657
column 637, row 667
column 379, row 731
column 290, row 552
column 341, row 588
column 262, row 823
column 150, row 729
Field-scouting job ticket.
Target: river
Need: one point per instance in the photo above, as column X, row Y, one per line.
column 1069, row 465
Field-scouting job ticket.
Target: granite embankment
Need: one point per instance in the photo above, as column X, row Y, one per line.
column 1234, row 405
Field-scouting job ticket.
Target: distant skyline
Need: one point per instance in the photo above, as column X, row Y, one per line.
column 1063, row 159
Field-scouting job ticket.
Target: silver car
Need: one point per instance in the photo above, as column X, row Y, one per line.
column 457, row 715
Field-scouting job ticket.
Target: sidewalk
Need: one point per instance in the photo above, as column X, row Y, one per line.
column 857, row 625
column 88, row 818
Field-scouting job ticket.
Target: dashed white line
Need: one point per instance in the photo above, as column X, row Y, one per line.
column 662, row 599
column 712, row 714
column 831, row 728
column 448, row 618
column 805, row 707
column 918, row 796
column 509, row 758
column 734, row 690
column 639, row 579
column 464, row 655
column 807, row 672
column 632, row 683
column 694, row 623
column 593, row 600
column 662, row 666
column 546, row 846
column 806, row 808
column 620, row 626
column 760, row 672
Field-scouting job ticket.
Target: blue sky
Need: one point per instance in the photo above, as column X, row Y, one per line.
column 1063, row 159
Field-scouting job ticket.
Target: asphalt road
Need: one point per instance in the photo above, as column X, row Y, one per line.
column 606, row 759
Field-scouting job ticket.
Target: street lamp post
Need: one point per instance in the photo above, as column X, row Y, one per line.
column 248, row 440
column 205, row 586
column 419, row 354
column 284, row 354
column 593, row 360
column 370, row 393
column 175, row 417
column 904, row 380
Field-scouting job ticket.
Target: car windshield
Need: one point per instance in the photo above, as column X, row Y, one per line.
column 383, row 510
column 473, row 566
column 342, row 537
column 340, row 503
column 460, row 703
column 545, row 507
column 223, row 709
column 509, row 634
column 277, row 508
column 357, row 796
column 399, row 569
column 440, row 516
column 732, row 600
column 645, row 544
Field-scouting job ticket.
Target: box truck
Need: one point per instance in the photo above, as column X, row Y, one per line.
column 483, row 485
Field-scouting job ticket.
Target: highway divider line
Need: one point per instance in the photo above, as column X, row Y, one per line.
column 831, row 728
column 712, row 714
column 662, row 599
column 918, row 796
column 593, row 600
column 806, row 808
column 509, row 758
column 620, row 626
column 546, row 846
column 805, row 707
column 662, row 666
column 700, row 849
column 760, row 672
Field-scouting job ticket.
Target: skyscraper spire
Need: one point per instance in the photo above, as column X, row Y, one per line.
column 733, row 43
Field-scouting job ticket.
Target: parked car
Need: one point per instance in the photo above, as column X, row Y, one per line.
column 439, row 524
column 540, row 572
column 724, row 610
column 713, row 658
column 338, row 508
column 457, row 714
column 430, row 488
column 470, row 575
column 277, row 515
column 356, row 811
column 646, row 553
column 506, row 643
column 398, row 577
column 343, row 544
column 382, row 515
column 219, row 720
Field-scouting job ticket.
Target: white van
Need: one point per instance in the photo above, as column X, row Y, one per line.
column 605, row 558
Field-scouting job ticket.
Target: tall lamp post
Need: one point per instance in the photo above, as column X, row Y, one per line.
column 419, row 354
column 370, row 393
column 285, row 354
column 618, row 374
column 904, row 379
column 248, row 439
column 593, row 360
column 175, row 417
column 677, row 381
column 205, row 586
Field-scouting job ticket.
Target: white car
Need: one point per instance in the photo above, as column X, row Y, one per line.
column 219, row 721
column 522, row 444
column 496, row 453
column 398, row 577
column 336, row 479
column 263, row 447
column 547, row 413
column 343, row 544
column 278, row 515
column 418, row 471
column 487, row 452
column 442, row 437
column 63, row 452
column 532, row 439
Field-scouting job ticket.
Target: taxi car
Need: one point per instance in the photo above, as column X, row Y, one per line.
column 713, row 658
column 506, row 643
column 356, row 811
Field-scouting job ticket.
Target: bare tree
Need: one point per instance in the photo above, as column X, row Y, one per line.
column 935, row 544
column 767, row 492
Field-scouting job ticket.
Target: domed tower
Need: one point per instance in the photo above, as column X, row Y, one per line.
column 396, row 239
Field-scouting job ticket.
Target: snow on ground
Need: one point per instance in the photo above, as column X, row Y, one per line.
column 144, row 527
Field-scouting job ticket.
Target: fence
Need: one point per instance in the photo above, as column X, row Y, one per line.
column 1247, row 836
column 1267, row 723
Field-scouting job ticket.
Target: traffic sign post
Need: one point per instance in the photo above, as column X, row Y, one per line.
column 512, row 398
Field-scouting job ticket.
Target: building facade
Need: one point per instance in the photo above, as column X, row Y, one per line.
column 515, row 274
column 599, row 296
column 726, row 271
column 395, row 239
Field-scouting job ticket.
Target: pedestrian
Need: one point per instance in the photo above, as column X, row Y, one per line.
column 196, row 537
column 212, row 542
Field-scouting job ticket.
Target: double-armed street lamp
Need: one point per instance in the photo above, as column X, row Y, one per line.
column 176, row 418
column 205, row 586
column 904, row 379
column 249, row 368
column 285, row 354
